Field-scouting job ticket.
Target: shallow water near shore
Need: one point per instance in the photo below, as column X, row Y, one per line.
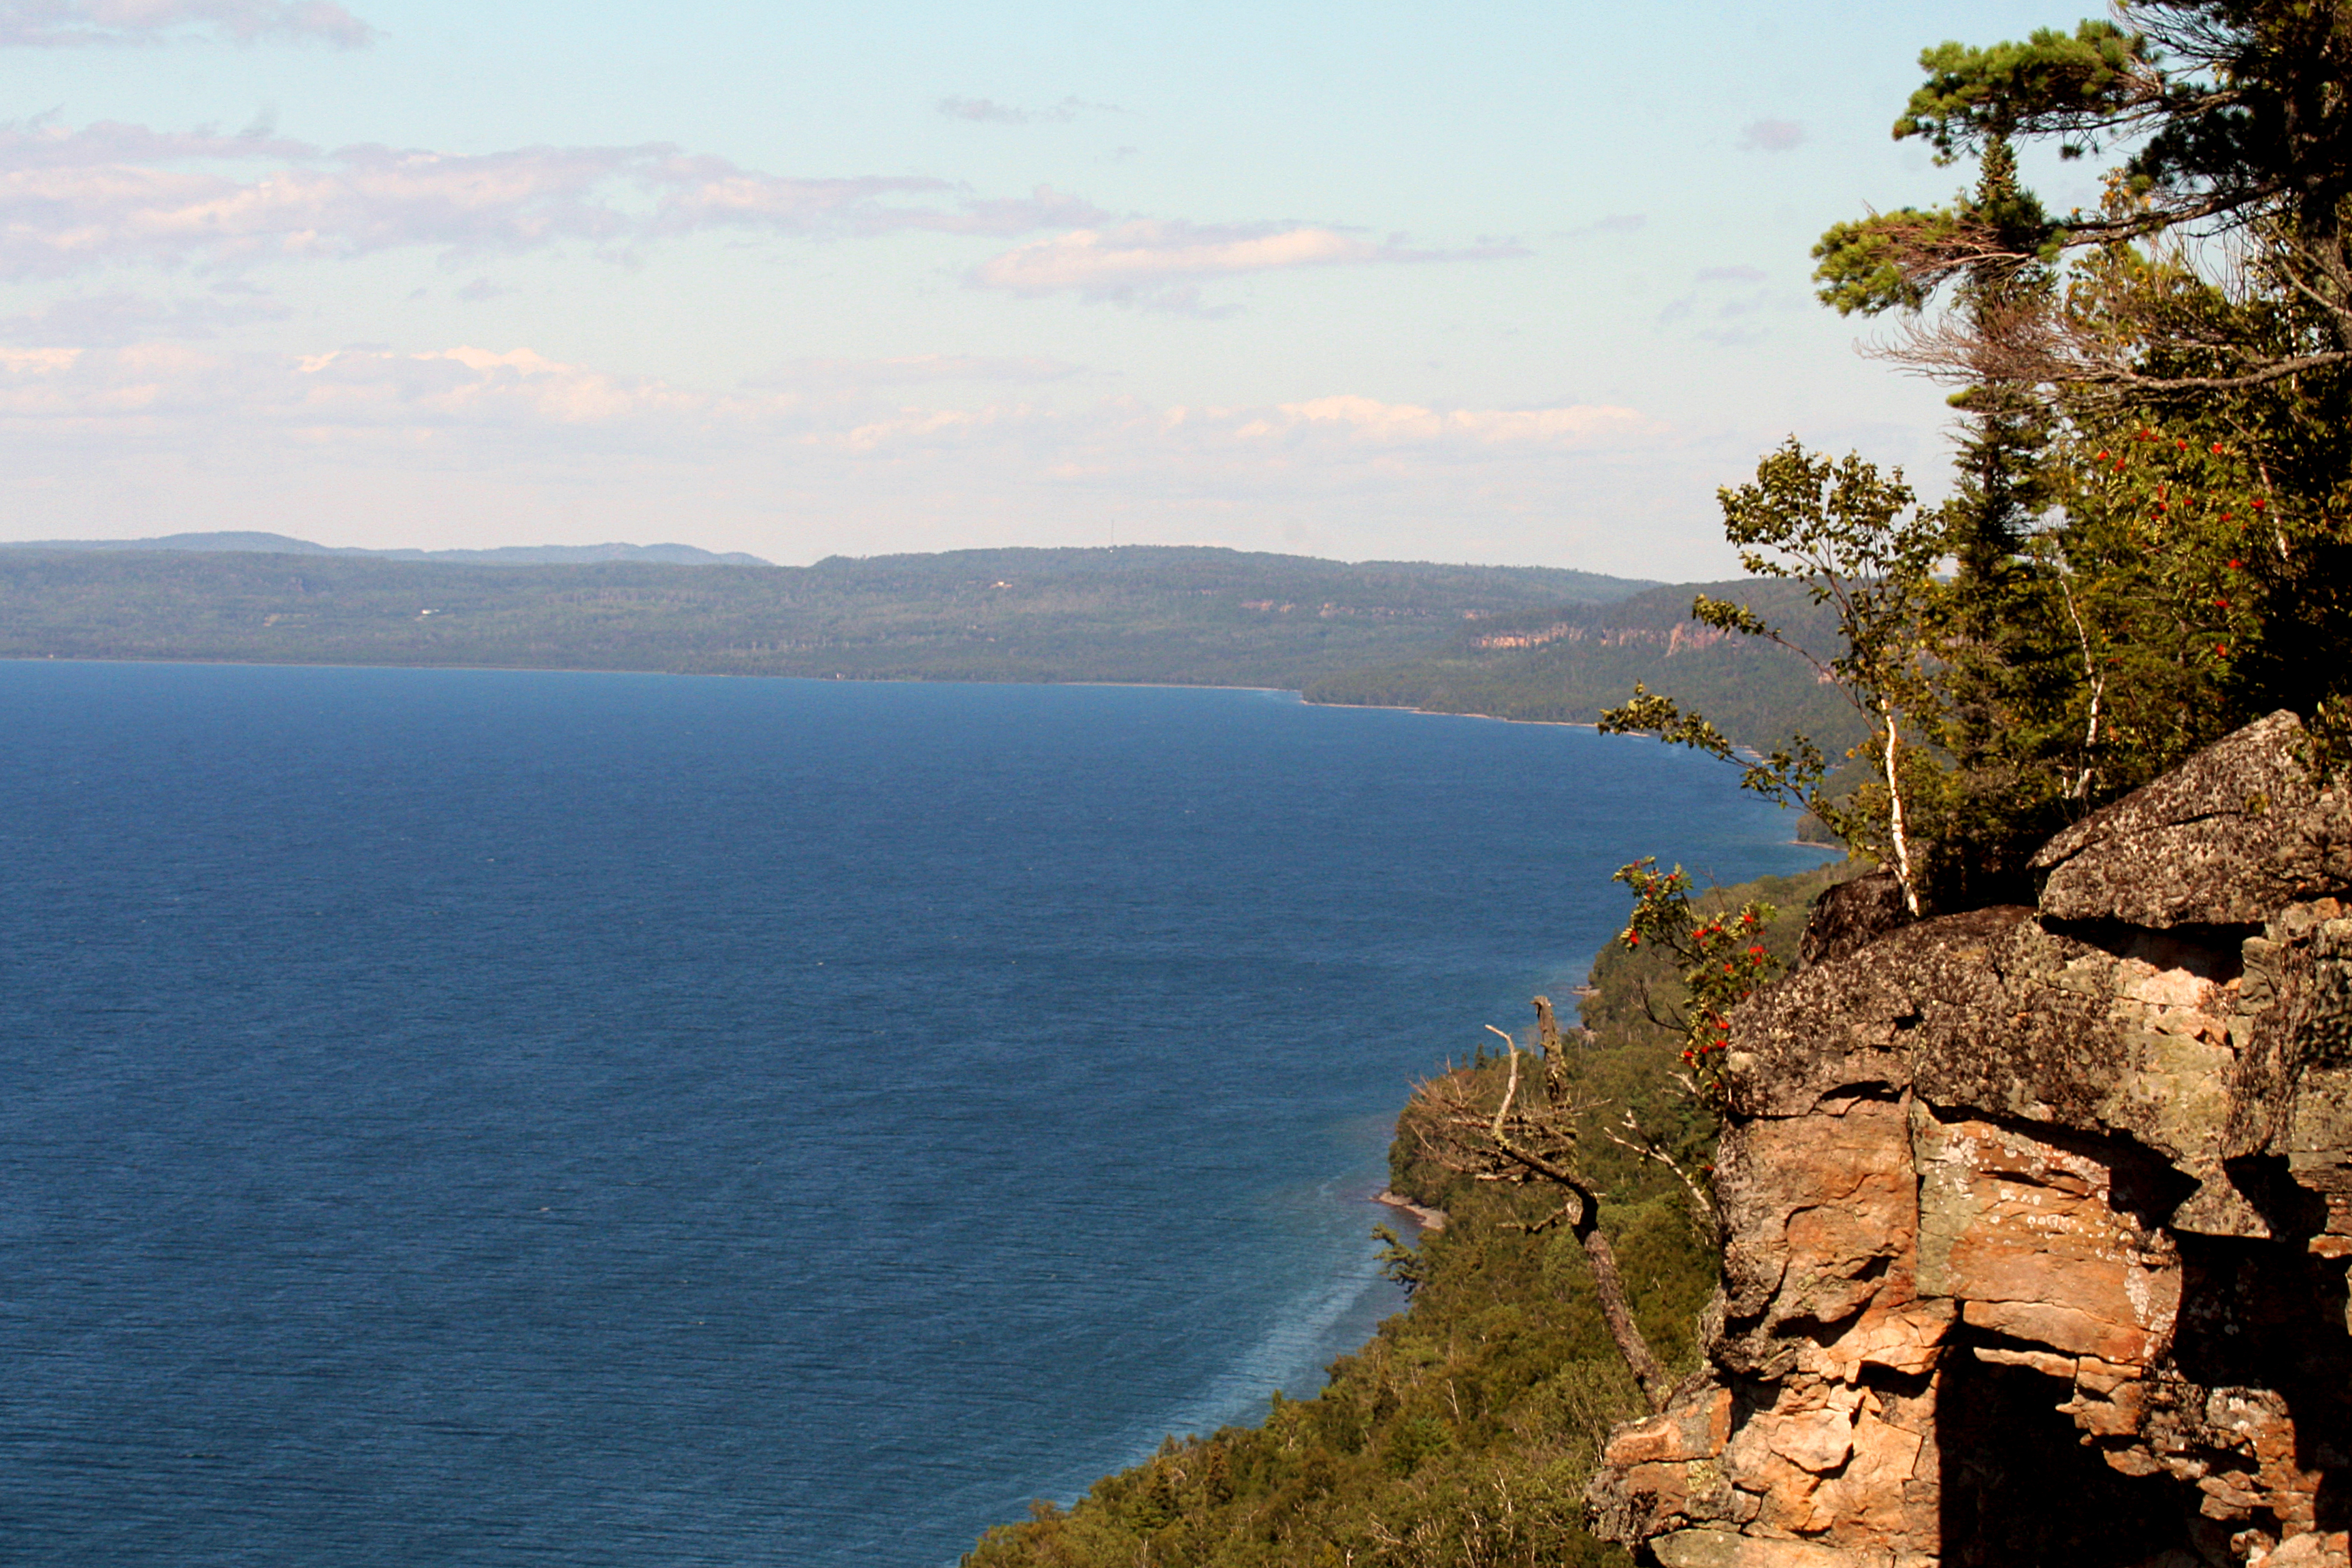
column 499, row 1117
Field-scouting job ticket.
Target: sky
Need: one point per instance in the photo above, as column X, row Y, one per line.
column 1496, row 282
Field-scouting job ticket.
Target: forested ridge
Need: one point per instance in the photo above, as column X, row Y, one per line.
column 1515, row 642
column 1570, row 666
column 1177, row 615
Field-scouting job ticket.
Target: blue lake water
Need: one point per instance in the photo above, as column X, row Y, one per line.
column 454, row 1118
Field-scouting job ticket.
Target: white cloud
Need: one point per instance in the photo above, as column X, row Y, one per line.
column 77, row 201
column 60, row 215
column 1617, row 223
column 1771, row 136
column 38, row 362
column 505, row 394
column 1580, row 424
column 73, row 201
column 988, row 111
column 522, row 443
column 468, row 386
column 41, row 143
column 51, row 23
column 170, row 396
column 699, row 192
column 1156, row 263
column 917, row 369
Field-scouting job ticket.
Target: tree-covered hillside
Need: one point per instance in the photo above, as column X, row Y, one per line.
column 1137, row 613
column 1533, row 643
column 1570, row 667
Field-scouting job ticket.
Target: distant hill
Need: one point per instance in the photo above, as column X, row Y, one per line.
column 507, row 555
column 1177, row 615
column 1522, row 642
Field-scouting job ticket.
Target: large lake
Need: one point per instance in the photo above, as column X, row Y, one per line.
column 454, row 1118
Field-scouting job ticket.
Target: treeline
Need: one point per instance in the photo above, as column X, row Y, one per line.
column 1463, row 1433
column 1518, row 642
column 1139, row 614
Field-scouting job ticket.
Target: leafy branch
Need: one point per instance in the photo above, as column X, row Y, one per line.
column 1840, row 529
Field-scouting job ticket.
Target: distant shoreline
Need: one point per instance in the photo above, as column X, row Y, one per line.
column 1451, row 713
column 1283, row 691
column 732, row 675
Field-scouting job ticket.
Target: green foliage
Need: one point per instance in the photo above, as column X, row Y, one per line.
column 1622, row 1006
column 2235, row 104
column 2164, row 563
column 2054, row 82
column 1839, row 529
column 2151, row 539
column 1723, row 957
column 1398, row 1261
column 1896, row 261
column 1866, row 263
column 2234, row 108
column 1638, row 1021
column 2276, row 496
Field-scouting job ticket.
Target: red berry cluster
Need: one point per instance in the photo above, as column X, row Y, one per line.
column 2185, row 498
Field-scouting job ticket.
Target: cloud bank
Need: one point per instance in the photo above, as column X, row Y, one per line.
column 76, row 201
column 115, row 318
column 828, row 459
column 1159, row 264
column 1771, row 136
column 988, row 111
column 912, row 370
column 353, row 394
column 61, row 24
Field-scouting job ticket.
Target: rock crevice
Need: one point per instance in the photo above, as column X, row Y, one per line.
column 2038, row 1219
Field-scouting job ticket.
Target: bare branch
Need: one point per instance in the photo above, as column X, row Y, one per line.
column 1514, row 1147
column 1645, row 1144
column 1573, row 1207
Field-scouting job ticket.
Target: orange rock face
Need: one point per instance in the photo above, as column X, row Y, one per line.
column 2038, row 1220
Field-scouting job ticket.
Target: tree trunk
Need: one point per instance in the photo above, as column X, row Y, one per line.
column 1609, row 1286
column 1555, row 1057
column 1903, row 872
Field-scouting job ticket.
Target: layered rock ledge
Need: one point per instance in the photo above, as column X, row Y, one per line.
column 2038, row 1218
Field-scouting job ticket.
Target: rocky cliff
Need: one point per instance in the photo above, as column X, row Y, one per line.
column 2038, row 1218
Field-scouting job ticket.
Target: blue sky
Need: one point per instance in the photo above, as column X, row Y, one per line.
column 1493, row 282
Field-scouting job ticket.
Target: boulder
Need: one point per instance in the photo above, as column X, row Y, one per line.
column 2230, row 837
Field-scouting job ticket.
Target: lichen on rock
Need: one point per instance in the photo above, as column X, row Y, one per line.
column 2038, row 1219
